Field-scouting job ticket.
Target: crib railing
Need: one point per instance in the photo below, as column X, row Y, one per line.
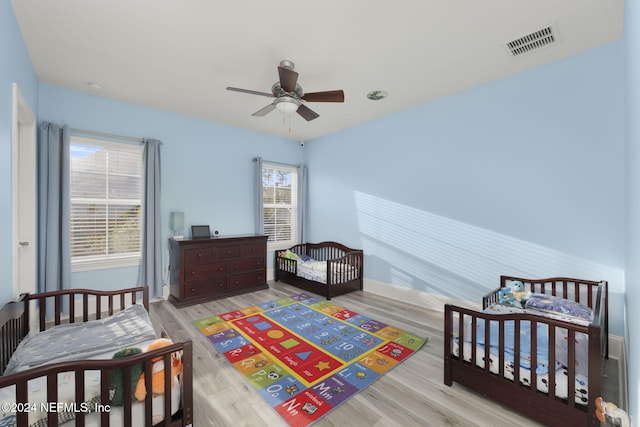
column 343, row 263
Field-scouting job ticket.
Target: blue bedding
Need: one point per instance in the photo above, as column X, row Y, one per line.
column 542, row 342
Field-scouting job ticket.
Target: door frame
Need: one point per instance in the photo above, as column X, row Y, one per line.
column 23, row 195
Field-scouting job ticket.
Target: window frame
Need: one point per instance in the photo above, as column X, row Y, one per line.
column 294, row 205
column 99, row 262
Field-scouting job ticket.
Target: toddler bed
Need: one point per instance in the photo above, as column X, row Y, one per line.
column 328, row 268
column 64, row 371
column 544, row 356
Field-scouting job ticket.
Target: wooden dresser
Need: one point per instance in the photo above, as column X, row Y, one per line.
column 206, row 269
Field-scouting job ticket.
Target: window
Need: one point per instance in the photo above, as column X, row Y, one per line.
column 280, row 200
column 106, row 192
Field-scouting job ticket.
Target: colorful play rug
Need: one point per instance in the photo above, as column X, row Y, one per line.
column 306, row 356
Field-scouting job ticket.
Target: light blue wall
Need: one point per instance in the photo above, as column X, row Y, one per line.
column 521, row 176
column 15, row 66
column 206, row 167
column 632, row 38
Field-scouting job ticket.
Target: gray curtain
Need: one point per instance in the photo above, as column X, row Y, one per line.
column 302, row 203
column 150, row 273
column 259, row 207
column 54, row 208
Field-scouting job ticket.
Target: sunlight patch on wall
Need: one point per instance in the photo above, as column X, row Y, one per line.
column 438, row 254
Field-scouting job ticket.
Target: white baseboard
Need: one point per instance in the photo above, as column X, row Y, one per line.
column 415, row 297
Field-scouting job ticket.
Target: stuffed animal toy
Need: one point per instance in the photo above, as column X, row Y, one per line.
column 514, row 294
column 116, row 377
column 610, row 415
column 157, row 370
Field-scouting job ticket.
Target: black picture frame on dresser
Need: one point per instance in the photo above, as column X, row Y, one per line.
column 202, row 270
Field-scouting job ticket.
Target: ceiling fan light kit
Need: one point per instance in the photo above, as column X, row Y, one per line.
column 289, row 96
column 286, row 104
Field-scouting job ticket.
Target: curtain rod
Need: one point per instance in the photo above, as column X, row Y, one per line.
column 106, row 135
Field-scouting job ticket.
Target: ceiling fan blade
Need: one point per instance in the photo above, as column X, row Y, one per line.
column 326, row 96
column 288, row 79
column 252, row 92
column 307, row 113
column 264, row 111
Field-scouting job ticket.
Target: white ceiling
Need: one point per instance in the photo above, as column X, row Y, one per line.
column 180, row 55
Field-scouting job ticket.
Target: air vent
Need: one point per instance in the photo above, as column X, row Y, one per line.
column 534, row 41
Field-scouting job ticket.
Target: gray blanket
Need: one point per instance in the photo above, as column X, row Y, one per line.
column 76, row 341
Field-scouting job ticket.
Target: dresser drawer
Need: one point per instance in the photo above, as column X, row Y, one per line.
column 204, row 271
column 253, row 249
column 247, row 264
column 226, row 252
column 246, row 280
column 197, row 256
column 196, row 288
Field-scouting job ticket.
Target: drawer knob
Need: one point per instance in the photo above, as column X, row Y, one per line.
column 193, row 289
column 228, row 252
column 193, row 273
column 200, row 255
column 235, row 266
column 220, row 268
column 236, row 282
column 253, row 249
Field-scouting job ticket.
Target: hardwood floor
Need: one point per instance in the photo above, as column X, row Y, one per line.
column 412, row 394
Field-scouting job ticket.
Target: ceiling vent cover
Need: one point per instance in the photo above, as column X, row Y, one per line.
column 534, row 41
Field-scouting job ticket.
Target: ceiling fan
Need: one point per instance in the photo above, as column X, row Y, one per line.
column 289, row 96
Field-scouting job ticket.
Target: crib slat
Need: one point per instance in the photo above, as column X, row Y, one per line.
column 167, row 385
column 571, row 362
column 72, row 307
column 127, row 399
column 98, row 307
column 104, row 397
column 110, row 305
column 21, row 396
column 501, row 349
column 85, row 308
column 474, row 339
column 534, row 355
column 57, row 309
column 52, row 396
column 552, row 362
column 516, row 352
column 79, row 381
column 487, row 347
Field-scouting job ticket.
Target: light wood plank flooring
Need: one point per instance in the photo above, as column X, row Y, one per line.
column 412, row 394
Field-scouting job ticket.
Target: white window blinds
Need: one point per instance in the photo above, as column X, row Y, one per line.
column 280, row 198
column 106, row 191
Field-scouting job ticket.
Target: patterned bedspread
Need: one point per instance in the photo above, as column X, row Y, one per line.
column 75, row 341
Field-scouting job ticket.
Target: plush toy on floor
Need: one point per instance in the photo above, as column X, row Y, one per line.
column 610, row 415
column 514, row 295
column 157, row 371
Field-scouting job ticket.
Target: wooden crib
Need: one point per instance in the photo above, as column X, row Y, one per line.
column 327, row 268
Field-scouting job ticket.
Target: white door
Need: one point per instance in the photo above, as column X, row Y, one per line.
column 23, row 148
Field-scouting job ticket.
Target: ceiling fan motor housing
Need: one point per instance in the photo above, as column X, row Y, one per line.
column 277, row 91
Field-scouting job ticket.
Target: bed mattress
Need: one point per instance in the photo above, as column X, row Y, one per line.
column 37, row 407
column 317, row 271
